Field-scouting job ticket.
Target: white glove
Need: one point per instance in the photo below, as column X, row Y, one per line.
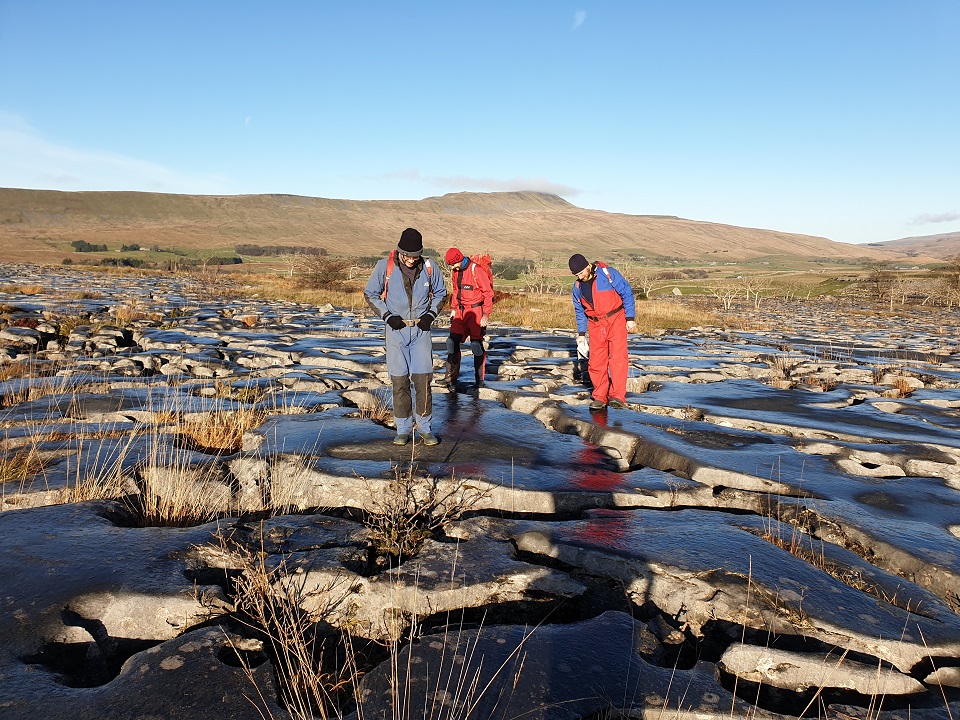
column 583, row 346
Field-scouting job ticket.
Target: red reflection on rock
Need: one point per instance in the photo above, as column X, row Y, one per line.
column 591, row 473
column 605, row 529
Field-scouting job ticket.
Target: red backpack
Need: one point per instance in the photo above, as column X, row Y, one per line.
column 482, row 260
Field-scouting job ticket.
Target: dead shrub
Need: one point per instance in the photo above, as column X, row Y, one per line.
column 328, row 272
column 414, row 508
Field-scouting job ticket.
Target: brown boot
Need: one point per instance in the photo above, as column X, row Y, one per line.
column 452, row 370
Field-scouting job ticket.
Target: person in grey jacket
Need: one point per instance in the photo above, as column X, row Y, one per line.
column 407, row 291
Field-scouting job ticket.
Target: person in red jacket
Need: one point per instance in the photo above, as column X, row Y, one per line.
column 603, row 302
column 471, row 299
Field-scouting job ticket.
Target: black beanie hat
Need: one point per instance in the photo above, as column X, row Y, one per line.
column 577, row 263
column 411, row 242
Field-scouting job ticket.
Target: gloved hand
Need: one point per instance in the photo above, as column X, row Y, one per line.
column 631, row 326
column 396, row 322
column 425, row 321
column 583, row 346
column 484, row 320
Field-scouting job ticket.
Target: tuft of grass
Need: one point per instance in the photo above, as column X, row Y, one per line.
column 96, row 477
column 18, row 369
column 414, row 508
column 173, row 492
column 377, row 406
column 221, row 431
column 902, row 386
column 20, row 465
column 277, row 606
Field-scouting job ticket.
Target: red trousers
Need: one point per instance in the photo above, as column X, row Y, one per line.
column 609, row 360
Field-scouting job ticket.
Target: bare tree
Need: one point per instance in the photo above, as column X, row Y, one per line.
column 535, row 279
column 292, row 261
column 881, row 278
column 645, row 280
column 755, row 285
column 326, row 271
column 726, row 293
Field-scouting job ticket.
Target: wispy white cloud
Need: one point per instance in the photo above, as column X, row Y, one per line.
column 930, row 218
column 34, row 162
column 464, row 183
column 579, row 17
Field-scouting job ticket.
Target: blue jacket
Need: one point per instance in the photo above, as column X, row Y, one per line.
column 606, row 282
column 429, row 291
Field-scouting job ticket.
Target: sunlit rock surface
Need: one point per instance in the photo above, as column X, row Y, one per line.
column 769, row 503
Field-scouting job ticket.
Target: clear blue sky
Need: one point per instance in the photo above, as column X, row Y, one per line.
column 837, row 118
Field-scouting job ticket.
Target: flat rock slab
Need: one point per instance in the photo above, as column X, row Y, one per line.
column 697, row 570
column 187, row 678
column 555, row 672
column 69, row 575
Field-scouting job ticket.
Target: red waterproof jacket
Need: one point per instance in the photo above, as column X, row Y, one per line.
column 471, row 288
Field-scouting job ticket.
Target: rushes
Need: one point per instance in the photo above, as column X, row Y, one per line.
column 274, row 604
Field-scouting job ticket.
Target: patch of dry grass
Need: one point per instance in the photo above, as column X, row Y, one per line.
column 542, row 312
column 125, row 314
column 18, row 369
column 12, row 289
column 221, row 431
column 20, row 465
column 294, row 290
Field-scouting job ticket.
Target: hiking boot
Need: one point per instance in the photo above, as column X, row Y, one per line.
column 597, row 406
column 429, row 439
column 617, row 403
column 401, row 439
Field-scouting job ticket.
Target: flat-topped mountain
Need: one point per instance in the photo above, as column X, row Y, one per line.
column 39, row 225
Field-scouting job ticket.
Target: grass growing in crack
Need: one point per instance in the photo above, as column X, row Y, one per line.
column 802, row 542
column 413, row 508
column 273, row 603
column 221, row 431
column 287, row 615
column 99, row 476
column 375, row 406
column 21, row 464
column 173, row 491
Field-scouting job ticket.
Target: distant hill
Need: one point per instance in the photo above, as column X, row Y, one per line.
column 39, row 225
column 939, row 246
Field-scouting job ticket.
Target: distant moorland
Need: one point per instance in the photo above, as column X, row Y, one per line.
column 44, row 227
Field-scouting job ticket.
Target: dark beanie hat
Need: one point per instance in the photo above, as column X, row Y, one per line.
column 411, row 242
column 577, row 263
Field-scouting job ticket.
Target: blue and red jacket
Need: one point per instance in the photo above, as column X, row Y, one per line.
column 602, row 297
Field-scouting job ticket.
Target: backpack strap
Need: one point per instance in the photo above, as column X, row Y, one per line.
column 391, row 261
column 603, row 266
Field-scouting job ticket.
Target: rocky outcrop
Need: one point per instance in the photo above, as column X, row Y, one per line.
column 727, row 546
